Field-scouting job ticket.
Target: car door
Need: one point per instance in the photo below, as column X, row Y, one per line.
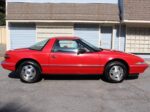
column 65, row 59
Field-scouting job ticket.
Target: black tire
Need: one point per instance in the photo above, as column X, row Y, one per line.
column 115, row 78
column 36, row 75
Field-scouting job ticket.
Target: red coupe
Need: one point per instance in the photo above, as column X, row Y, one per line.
column 63, row 55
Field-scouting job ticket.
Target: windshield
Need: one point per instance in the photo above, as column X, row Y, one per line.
column 39, row 45
column 90, row 45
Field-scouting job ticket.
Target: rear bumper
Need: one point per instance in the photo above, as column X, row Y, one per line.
column 138, row 68
column 8, row 66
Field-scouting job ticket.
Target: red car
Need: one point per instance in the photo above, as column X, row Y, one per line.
column 63, row 55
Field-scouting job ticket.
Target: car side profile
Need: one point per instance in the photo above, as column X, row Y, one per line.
column 71, row 55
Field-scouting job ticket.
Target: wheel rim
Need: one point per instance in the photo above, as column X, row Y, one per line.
column 116, row 73
column 28, row 72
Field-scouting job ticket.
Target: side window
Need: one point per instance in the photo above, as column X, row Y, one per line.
column 68, row 44
column 65, row 46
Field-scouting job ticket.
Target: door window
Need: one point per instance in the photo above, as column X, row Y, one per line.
column 65, row 46
column 69, row 46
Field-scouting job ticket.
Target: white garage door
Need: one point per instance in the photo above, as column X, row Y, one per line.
column 138, row 40
column 53, row 30
column 88, row 32
column 22, row 35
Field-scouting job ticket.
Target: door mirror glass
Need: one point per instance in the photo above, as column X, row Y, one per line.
column 81, row 51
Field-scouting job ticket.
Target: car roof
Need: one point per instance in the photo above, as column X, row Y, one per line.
column 65, row 38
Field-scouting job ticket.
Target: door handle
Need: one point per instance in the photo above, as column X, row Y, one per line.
column 53, row 56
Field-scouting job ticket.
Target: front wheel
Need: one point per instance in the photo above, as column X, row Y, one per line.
column 29, row 72
column 115, row 72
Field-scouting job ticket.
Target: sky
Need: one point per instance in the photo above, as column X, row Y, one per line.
column 67, row 1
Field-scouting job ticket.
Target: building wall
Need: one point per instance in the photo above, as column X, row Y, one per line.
column 129, row 39
column 120, row 37
column 116, row 38
column 104, row 36
column 2, row 35
column 97, row 34
column 2, row 39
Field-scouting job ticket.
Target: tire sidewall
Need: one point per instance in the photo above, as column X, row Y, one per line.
column 38, row 73
column 107, row 70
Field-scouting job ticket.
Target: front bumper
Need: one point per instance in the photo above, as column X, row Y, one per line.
column 8, row 65
column 138, row 68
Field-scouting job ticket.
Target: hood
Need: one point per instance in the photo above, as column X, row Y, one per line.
column 112, row 51
column 115, row 52
column 121, row 54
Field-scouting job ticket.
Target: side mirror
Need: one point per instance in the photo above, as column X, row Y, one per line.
column 81, row 51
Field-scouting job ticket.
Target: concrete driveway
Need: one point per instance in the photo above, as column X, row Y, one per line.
column 74, row 94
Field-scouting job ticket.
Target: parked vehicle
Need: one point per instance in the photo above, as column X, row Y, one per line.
column 71, row 55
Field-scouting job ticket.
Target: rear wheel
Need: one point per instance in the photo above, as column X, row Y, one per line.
column 29, row 72
column 115, row 72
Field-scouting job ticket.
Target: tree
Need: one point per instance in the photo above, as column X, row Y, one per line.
column 2, row 12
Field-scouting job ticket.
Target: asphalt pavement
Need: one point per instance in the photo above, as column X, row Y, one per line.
column 74, row 94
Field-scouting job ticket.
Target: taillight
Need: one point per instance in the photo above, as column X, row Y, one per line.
column 6, row 56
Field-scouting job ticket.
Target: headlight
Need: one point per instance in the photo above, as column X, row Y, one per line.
column 140, row 63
